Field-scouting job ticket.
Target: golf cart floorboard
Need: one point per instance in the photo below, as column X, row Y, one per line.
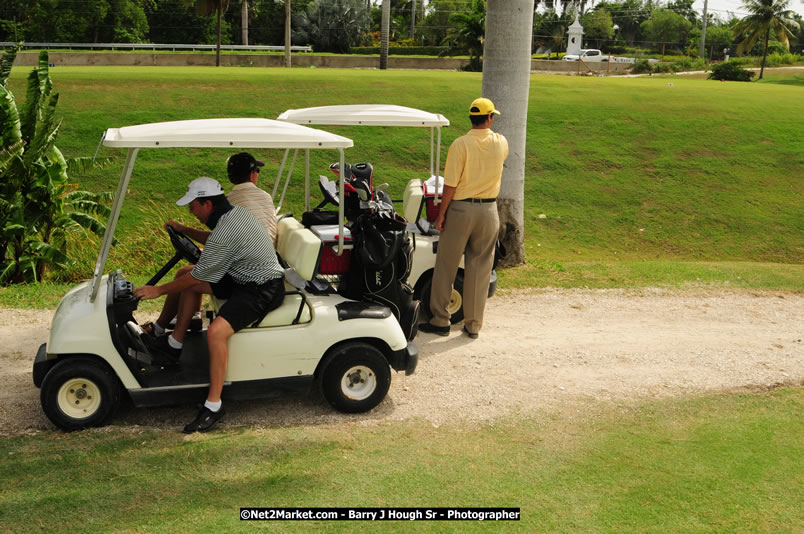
column 193, row 366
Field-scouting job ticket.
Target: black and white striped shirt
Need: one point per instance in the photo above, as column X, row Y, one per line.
column 240, row 247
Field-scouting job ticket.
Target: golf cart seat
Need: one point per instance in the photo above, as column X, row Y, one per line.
column 412, row 201
column 300, row 250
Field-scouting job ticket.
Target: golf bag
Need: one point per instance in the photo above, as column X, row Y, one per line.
column 380, row 265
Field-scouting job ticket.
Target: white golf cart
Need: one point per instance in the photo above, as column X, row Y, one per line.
column 93, row 358
column 421, row 197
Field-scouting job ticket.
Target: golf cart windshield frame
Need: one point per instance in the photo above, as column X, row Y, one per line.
column 208, row 133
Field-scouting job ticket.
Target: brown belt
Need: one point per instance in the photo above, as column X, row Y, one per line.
column 477, row 200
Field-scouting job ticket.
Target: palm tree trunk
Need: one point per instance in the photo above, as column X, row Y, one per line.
column 385, row 29
column 287, row 33
column 218, row 48
column 244, row 22
column 506, row 81
column 764, row 54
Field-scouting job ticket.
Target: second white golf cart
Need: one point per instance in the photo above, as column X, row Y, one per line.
column 421, row 197
column 92, row 359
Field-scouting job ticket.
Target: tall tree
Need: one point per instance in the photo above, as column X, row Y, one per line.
column 467, row 34
column 766, row 16
column 506, row 81
column 665, row 26
column 206, row 8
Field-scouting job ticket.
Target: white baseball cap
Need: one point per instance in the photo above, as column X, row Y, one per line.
column 201, row 187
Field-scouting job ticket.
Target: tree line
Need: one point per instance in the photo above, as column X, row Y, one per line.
column 339, row 25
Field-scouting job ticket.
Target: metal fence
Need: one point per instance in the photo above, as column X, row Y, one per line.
column 154, row 46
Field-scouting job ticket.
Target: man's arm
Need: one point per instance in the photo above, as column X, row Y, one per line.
column 198, row 235
column 446, row 198
column 176, row 286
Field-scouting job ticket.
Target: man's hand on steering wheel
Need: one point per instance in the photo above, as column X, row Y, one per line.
column 183, row 245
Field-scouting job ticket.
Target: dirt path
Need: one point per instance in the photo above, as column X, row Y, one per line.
column 539, row 350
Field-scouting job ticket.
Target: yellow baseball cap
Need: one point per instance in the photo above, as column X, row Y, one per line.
column 482, row 106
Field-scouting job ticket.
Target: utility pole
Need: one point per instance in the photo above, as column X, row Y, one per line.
column 703, row 30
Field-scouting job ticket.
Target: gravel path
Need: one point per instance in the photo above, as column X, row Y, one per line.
column 539, row 350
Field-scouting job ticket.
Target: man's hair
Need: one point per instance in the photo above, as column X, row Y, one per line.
column 217, row 200
column 477, row 120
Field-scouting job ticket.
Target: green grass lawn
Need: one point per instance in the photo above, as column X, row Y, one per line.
column 724, row 463
column 618, row 169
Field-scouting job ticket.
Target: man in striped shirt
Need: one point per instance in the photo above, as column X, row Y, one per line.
column 238, row 264
column 243, row 170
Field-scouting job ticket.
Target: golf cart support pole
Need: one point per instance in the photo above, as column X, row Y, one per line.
column 341, row 161
column 108, row 235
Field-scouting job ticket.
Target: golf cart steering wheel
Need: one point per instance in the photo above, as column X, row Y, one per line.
column 329, row 189
column 183, row 245
column 184, row 249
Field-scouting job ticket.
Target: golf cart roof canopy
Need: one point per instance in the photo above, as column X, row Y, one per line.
column 364, row 115
column 223, row 133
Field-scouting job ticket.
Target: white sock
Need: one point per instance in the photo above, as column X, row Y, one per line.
column 158, row 330
column 173, row 343
column 213, row 406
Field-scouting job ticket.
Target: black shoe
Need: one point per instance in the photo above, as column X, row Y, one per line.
column 472, row 335
column 430, row 328
column 205, row 420
column 160, row 349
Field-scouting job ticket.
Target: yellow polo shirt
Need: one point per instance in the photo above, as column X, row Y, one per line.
column 474, row 164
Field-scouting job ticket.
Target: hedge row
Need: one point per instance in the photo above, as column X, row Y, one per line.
column 400, row 50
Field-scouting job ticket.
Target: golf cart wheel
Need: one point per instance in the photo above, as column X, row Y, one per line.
column 455, row 306
column 79, row 393
column 356, row 379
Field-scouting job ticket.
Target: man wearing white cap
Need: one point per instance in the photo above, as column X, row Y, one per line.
column 238, row 264
column 468, row 220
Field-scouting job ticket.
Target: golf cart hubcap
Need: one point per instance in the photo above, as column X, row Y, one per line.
column 455, row 302
column 358, row 383
column 79, row 398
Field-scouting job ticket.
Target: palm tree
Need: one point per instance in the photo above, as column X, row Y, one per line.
column 506, row 81
column 766, row 16
column 205, row 8
column 467, row 34
column 385, row 30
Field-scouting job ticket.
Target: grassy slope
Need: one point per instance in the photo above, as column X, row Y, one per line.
column 728, row 463
column 622, row 169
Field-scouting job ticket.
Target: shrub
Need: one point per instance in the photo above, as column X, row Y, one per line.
column 730, row 71
column 642, row 67
column 401, row 50
column 781, row 59
column 775, row 47
column 40, row 210
column 688, row 63
column 665, row 68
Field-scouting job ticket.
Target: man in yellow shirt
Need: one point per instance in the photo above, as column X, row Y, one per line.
column 468, row 220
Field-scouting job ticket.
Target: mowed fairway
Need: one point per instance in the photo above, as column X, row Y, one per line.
column 620, row 171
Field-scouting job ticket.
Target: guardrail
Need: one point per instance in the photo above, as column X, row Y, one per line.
column 154, row 46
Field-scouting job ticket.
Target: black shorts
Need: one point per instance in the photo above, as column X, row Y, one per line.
column 247, row 303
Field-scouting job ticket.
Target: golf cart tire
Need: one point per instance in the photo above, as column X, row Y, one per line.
column 456, row 302
column 79, row 393
column 356, row 378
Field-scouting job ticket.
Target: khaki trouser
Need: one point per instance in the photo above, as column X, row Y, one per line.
column 471, row 230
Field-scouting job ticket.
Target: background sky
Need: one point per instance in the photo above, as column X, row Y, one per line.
column 722, row 7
